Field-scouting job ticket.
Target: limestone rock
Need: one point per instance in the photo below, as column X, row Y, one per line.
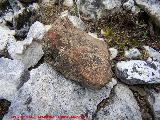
column 92, row 8
column 49, row 93
column 138, row 72
column 36, row 31
column 113, row 53
column 49, row 2
column 122, row 107
column 130, row 5
column 9, row 16
column 153, row 54
column 11, row 73
column 95, row 8
column 29, row 51
column 79, row 56
column 132, row 53
column 112, row 4
column 152, row 7
column 154, row 100
column 5, row 35
column 30, row 55
column 77, row 22
column 68, row 3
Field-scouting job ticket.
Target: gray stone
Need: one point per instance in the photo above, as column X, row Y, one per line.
column 129, row 5
column 5, row 35
column 112, row 4
column 48, row 2
column 93, row 8
column 16, row 5
column 24, row 17
column 68, row 3
column 153, row 54
column 152, row 7
column 47, row 92
column 28, row 53
column 36, row 31
column 154, row 100
column 77, row 22
column 113, row 53
column 138, row 72
column 132, row 53
column 33, row 7
column 2, row 22
column 9, row 16
column 11, row 73
column 123, row 106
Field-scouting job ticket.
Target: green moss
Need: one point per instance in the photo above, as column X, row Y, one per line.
column 108, row 32
column 74, row 10
column 146, row 34
column 144, row 55
column 119, row 40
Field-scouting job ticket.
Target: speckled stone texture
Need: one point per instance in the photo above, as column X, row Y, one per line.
column 79, row 56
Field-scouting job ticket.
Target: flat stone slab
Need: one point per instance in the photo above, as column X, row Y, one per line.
column 122, row 106
column 138, row 72
column 11, row 73
column 47, row 92
column 152, row 7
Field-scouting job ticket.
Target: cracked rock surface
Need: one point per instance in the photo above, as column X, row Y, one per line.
column 48, row 92
column 123, row 106
column 152, row 7
column 138, row 72
column 154, row 100
column 11, row 73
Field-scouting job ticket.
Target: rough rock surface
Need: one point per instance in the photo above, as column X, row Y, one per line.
column 112, row 4
column 29, row 51
column 154, row 100
column 36, row 31
column 138, row 72
column 47, row 92
column 130, row 5
column 77, row 22
column 30, row 56
column 122, row 107
column 153, row 54
column 152, row 7
column 8, row 16
column 79, row 56
column 68, row 3
column 113, row 53
column 11, row 73
column 49, row 1
column 94, row 8
column 132, row 53
column 23, row 17
column 5, row 35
